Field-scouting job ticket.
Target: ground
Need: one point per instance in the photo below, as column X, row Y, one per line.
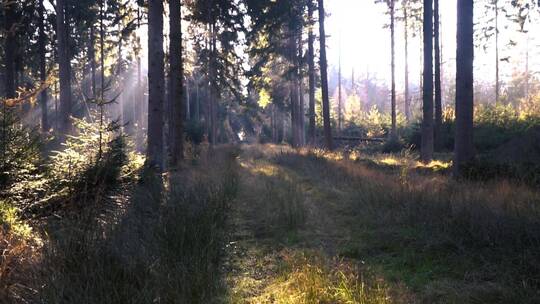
column 314, row 227
column 272, row 224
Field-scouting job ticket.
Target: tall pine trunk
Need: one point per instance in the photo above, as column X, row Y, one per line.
column 406, row 37
column 324, row 80
column 464, row 148
column 497, row 61
column 427, row 122
column 438, row 87
column 156, row 81
column 9, row 50
column 42, row 67
column 393, row 132
column 175, row 81
column 340, row 101
column 311, row 74
column 64, row 70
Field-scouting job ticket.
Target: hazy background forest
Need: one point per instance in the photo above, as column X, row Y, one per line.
column 269, row 151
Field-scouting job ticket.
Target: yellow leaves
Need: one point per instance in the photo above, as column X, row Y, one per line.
column 30, row 95
column 264, row 98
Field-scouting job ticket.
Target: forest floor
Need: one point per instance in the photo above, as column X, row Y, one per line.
column 314, row 227
column 271, row 224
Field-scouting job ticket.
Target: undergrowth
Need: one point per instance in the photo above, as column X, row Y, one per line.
column 165, row 248
column 427, row 230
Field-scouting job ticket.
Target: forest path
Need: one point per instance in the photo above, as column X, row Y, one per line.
column 288, row 229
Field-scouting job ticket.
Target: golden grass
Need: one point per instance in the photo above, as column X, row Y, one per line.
column 311, row 277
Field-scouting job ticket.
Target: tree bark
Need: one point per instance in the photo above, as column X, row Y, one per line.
column 156, row 79
column 497, row 75
column 393, row 132
column 311, row 72
column 427, row 123
column 340, row 101
column 464, row 148
column 324, row 79
column 42, row 67
column 64, row 70
column 92, row 59
column 175, row 81
column 406, row 36
column 438, row 87
column 9, row 50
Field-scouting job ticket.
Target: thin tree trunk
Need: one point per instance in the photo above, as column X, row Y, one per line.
column 101, row 100
column 393, row 133
column 156, row 79
column 464, row 148
column 406, row 35
column 527, row 76
column 340, row 101
column 213, row 87
column 438, row 90
column 427, row 123
column 9, row 50
column 324, row 80
column 293, row 84
column 497, row 79
column 42, row 68
column 301, row 104
column 175, row 82
column 92, row 59
column 64, row 70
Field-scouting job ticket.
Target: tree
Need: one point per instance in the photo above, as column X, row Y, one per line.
column 427, row 122
column 438, row 90
column 175, row 81
column 391, row 4
column 42, row 66
column 156, row 81
column 324, row 80
column 64, row 67
column 405, row 5
column 393, row 133
column 464, row 149
column 9, row 48
column 311, row 73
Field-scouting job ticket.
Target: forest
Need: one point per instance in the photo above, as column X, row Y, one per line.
column 269, row 151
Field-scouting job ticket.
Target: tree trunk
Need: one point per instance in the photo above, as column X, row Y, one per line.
column 427, row 123
column 464, row 148
column 64, row 70
column 311, row 74
column 9, row 50
column 340, row 101
column 175, row 81
column 213, row 87
column 42, row 67
column 92, row 59
column 301, row 102
column 497, row 79
column 156, row 81
column 438, row 88
column 406, row 36
column 393, row 133
column 324, row 80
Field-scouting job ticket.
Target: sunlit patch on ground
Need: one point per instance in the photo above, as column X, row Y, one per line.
column 312, row 277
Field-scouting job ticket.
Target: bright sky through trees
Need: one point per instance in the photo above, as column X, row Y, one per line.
column 365, row 42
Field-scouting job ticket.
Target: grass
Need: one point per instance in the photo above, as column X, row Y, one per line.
column 276, row 225
column 311, row 277
column 158, row 240
column 448, row 241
